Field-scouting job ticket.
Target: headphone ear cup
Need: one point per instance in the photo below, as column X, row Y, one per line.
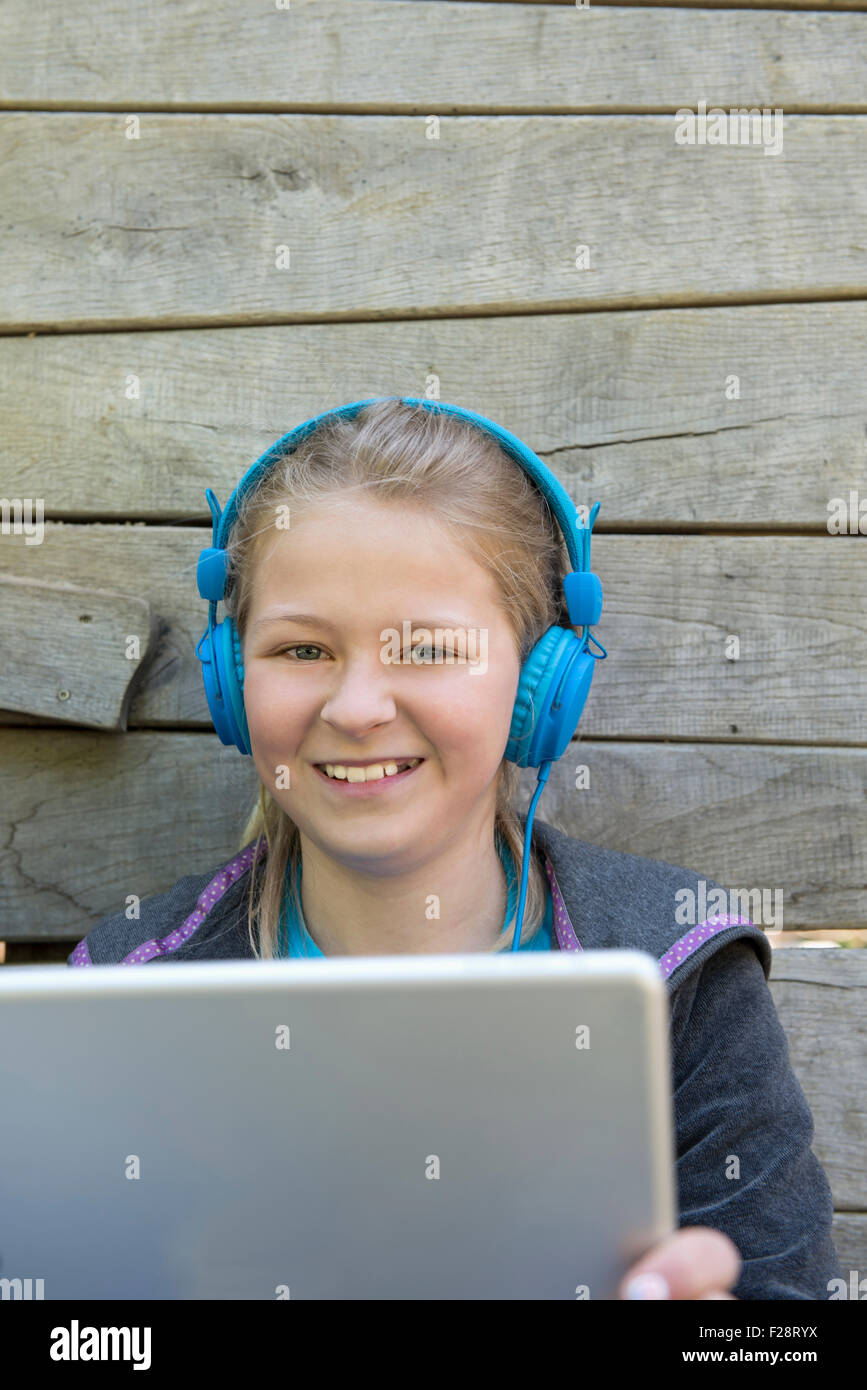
column 230, row 667
column 206, row 652
column 553, row 689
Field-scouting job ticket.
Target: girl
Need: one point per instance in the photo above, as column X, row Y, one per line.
column 383, row 782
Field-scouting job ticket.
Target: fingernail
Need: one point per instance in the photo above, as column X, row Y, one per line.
column 647, row 1286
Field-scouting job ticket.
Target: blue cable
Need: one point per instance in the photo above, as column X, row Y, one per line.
column 528, row 835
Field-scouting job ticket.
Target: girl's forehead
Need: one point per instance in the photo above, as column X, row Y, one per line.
column 370, row 530
column 368, row 577
column 339, row 509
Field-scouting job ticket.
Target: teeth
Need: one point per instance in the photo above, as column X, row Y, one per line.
column 373, row 773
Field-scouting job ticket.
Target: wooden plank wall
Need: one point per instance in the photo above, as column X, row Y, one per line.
column 433, row 169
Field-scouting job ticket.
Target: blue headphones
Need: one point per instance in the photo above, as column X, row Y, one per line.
column 555, row 678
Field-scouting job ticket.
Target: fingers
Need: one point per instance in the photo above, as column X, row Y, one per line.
column 695, row 1261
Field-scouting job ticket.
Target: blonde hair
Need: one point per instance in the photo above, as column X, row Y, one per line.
column 484, row 501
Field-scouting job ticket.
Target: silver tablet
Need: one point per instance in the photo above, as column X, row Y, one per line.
column 393, row 1127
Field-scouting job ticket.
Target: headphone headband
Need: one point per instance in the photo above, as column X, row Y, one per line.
column 582, row 590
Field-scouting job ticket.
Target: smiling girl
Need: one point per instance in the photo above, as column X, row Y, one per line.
column 386, row 820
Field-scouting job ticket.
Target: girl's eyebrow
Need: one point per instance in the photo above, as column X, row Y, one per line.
column 310, row 620
column 305, row 619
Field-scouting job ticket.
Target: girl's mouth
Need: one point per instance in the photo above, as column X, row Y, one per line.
column 375, row 787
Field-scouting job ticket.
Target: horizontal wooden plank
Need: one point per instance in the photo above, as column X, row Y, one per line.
column 820, row 998
column 672, row 605
column 629, row 407
column 209, row 219
column 72, row 653
column 364, row 54
column 707, row 4
column 777, row 5
column 110, row 817
column 825, row 937
column 85, row 820
column 849, row 1233
column 790, row 822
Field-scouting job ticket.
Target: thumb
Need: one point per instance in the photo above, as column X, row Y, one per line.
column 693, row 1262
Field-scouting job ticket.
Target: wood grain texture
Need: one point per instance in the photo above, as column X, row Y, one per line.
column 777, row 5
column 109, row 817
column 819, row 997
column 67, row 652
column 209, row 219
column 790, row 822
column 629, row 407
column 86, row 819
column 849, row 1234
column 424, row 56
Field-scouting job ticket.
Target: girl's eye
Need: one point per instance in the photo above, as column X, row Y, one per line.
column 426, row 647
column 300, row 646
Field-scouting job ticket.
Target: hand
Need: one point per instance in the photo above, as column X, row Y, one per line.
column 695, row 1261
